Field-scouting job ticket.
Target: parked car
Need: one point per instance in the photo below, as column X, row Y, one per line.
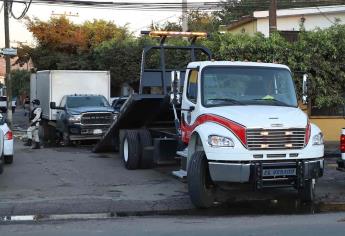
column 7, row 134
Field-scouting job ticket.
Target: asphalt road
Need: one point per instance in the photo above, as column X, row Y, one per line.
column 282, row 225
column 65, row 180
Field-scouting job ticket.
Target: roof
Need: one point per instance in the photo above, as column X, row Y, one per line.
column 243, row 20
column 288, row 12
column 235, row 63
column 303, row 11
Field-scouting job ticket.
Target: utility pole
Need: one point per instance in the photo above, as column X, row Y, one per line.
column 273, row 17
column 8, row 65
column 184, row 16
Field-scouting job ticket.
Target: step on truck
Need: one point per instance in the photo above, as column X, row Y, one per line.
column 229, row 122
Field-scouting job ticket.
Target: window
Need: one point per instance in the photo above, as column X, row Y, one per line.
column 231, row 85
column 192, row 87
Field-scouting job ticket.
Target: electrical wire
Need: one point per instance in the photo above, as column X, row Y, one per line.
column 22, row 15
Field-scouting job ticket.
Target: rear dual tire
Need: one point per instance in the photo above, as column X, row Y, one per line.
column 132, row 147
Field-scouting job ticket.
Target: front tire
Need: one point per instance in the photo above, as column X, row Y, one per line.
column 307, row 192
column 8, row 159
column 130, row 149
column 200, row 185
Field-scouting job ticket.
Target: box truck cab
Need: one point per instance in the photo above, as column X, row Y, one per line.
column 242, row 124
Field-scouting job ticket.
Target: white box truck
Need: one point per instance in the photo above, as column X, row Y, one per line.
column 74, row 103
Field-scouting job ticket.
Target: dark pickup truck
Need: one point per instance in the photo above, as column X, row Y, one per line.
column 83, row 117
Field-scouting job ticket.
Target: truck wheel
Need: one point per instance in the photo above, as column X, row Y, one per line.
column 146, row 162
column 65, row 139
column 130, row 149
column 1, row 165
column 200, row 185
column 8, row 159
column 307, row 193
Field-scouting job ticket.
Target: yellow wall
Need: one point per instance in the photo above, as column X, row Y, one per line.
column 330, row 127
column 248, row 28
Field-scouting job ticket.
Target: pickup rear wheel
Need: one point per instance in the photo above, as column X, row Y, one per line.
column 307, row 192
column 200, row 185
column 130, row 149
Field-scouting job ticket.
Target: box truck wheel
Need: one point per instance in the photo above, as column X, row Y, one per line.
column 130, row 149
column 146, row 161
column 307, row 192
column 200, row 185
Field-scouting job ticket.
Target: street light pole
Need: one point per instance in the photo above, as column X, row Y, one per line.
column 8, row 65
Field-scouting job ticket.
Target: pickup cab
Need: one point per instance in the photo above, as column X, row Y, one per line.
column 82, row 117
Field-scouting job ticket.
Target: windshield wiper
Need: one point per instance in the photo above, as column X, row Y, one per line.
column 232, row 101
column 272, row 100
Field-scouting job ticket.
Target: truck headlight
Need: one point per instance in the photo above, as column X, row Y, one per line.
column 114, row 116
column 220, row 141
column 318, row 139
column 74, row 119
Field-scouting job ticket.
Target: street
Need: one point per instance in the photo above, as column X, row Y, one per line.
column 284, row 225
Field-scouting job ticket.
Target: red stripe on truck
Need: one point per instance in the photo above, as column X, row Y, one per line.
column 237, row 129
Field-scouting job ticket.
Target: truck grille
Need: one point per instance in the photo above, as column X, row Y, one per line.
column 97, row 118
column 268, row 139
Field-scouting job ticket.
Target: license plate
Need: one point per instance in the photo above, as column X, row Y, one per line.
column 279, row 172
column 97, row 131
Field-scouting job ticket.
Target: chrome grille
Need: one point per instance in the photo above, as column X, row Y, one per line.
column 97, row 118
column 268, row 139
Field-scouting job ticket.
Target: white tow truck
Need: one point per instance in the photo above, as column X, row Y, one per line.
column 242, row 124
column 229, row 122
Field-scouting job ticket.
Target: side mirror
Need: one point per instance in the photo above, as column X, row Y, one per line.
column 52, row 105
column 305, row 89
column 175, row 95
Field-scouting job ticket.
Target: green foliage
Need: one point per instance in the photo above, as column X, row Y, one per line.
column 319, row 53
column 20, row 82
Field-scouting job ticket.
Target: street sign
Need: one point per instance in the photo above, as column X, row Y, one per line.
column 9, row 51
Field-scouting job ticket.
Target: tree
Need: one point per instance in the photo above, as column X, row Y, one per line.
column 20, row 82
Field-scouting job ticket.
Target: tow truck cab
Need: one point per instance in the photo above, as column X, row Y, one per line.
column 242, row 124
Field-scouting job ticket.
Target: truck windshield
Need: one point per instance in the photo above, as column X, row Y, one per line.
column 87, row 101
column 229, row 85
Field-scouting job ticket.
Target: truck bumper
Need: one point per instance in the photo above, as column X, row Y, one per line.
column 81, row 132
column 284, row 173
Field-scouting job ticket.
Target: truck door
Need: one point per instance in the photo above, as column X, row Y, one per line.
column 189, row 108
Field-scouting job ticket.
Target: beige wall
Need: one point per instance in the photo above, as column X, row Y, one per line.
column 248, row 28
column 292, row 23
column 330, row 127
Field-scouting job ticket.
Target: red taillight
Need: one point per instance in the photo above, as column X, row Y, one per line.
column 342, row 143
column 9, row 135
column 307, row 133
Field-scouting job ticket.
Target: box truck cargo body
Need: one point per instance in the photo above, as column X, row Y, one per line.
column 51, row 86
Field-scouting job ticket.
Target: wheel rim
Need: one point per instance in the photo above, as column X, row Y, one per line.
column 125, row 150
